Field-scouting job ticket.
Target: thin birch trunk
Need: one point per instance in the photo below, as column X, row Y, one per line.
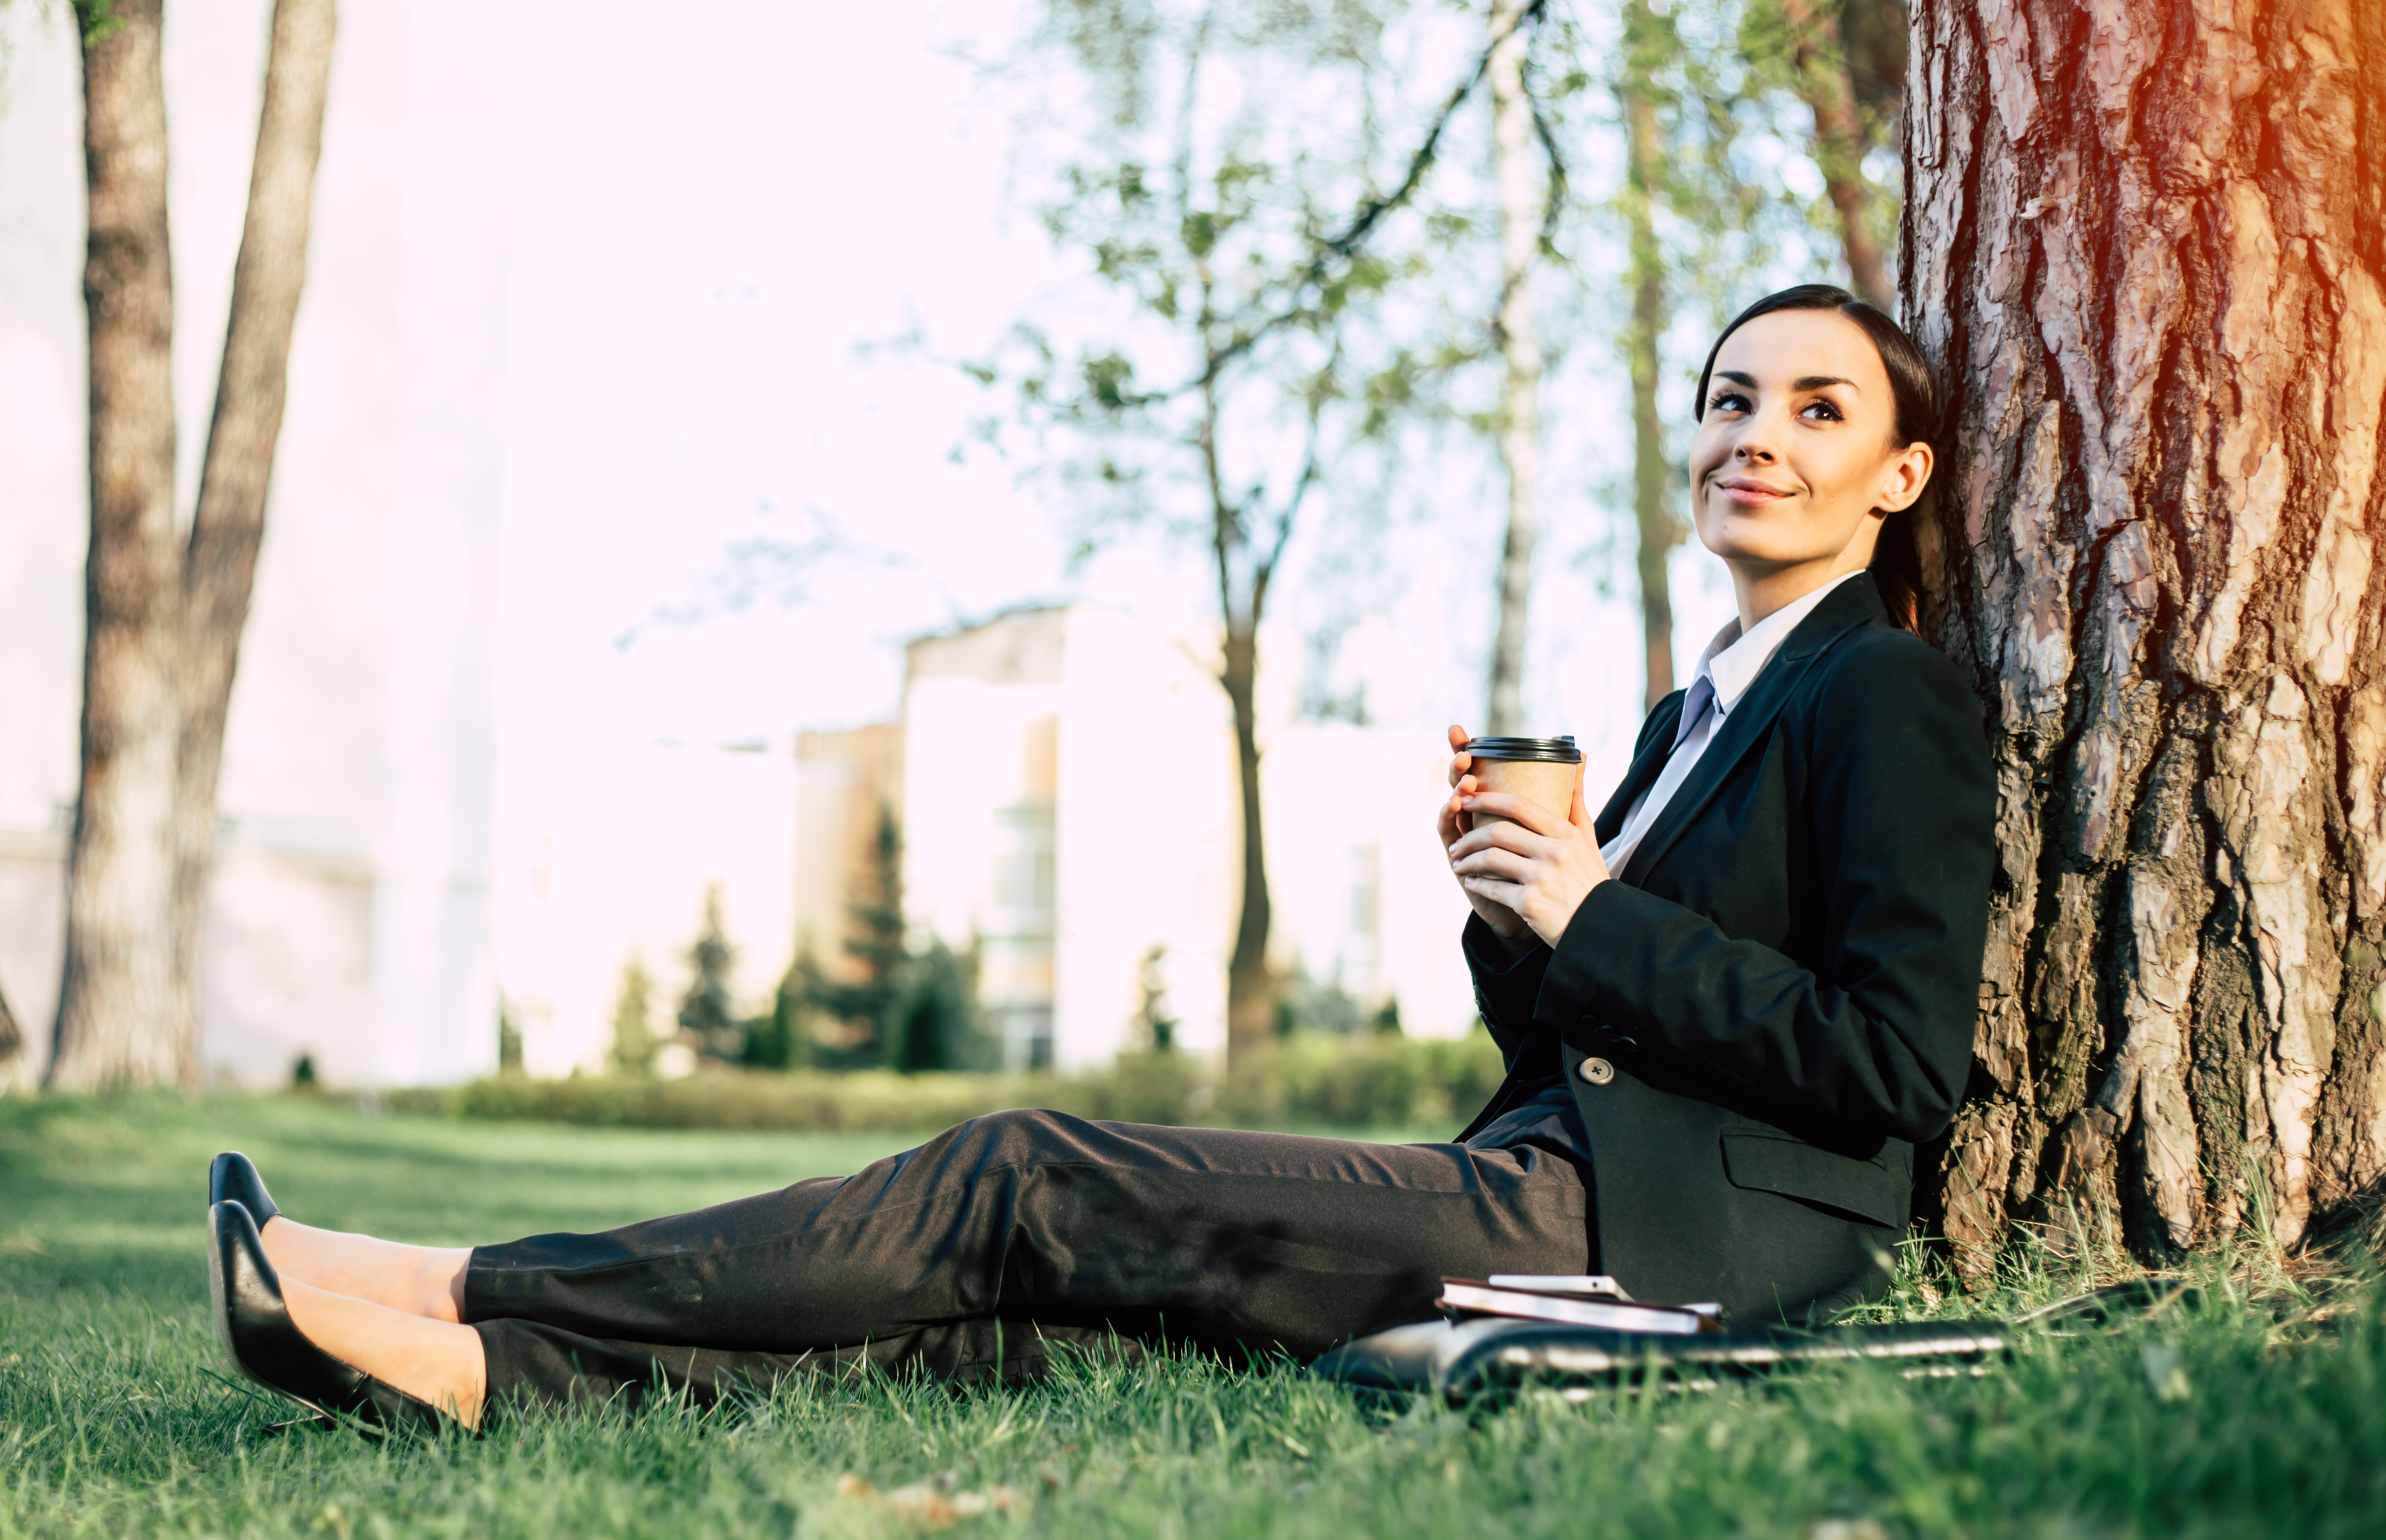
column 115, row 1022
column 1522, row 195
column 1250, row 983
column 229, row 524
column 1655, row 528
column 2148, row 269
column 1819, row 64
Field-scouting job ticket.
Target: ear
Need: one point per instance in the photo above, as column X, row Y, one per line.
column 1902, row 482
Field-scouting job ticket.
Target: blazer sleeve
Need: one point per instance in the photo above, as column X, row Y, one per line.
column 1879, row 1035
column 1505, row 990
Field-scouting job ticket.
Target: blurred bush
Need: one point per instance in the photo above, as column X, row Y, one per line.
column 1358, row 1080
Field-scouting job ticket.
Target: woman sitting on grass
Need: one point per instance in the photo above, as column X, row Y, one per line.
column 1731, row 1005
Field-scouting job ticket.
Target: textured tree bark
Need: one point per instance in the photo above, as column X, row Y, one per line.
column 1656, row 529
column 2145, row 248
column 1819, row 64
column 1521, row 197
column 229, row 523
column 1250, row 986
column 163, row 618
column 115, row 1020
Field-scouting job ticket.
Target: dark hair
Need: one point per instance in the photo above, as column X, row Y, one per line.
column 1896, row 563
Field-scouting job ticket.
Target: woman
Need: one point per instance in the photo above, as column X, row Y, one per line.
column 1731, row 1006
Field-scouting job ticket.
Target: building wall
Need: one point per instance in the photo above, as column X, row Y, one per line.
column 981, row 771
column 1149, row 832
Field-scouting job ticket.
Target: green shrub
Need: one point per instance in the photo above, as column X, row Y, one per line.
column 1356, row 1081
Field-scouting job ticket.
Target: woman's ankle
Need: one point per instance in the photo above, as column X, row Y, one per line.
column 435, row 1362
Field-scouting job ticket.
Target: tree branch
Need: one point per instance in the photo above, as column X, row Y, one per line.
column 1363, row 224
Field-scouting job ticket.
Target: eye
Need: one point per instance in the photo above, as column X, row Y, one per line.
column 1822, row 411
column 1728, row 401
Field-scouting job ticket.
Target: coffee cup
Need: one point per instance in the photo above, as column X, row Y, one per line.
column 1539, row 770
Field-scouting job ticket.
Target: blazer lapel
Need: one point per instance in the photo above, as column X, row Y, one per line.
column 1851, row 606
column 1650, row 763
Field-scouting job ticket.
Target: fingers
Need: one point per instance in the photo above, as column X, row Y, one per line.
column 1492, row 834
column 1508, row 866
column 1507, row 804
column 1508, row 896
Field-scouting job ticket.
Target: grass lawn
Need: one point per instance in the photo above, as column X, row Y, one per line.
column 2264, row 1412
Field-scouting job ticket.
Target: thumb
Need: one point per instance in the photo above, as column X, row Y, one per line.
column 1580, row 814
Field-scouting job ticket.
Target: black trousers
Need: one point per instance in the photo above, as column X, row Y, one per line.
column 1007, row 1237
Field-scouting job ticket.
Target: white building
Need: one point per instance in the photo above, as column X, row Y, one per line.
column 1070, row 806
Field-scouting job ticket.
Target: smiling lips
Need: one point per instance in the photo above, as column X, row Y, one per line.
column 1751, row 493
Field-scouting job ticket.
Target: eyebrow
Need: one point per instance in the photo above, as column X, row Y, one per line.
column 1804, row 383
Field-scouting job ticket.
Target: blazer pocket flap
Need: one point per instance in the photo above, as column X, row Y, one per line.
column 1800, row 1170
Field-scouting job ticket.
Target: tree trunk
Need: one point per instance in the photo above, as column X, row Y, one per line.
column 164, row 620
column 115, row 1022
column 230, row 521
column 12, row 1049
column 2147, row 256
column 1655, row 527
column 1521, row 198
column 1250, row 988
column 1819, row 63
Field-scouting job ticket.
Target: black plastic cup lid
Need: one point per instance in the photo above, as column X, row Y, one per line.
column 1547, row 751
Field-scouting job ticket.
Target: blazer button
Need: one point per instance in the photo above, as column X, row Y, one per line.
column 1597, row 1070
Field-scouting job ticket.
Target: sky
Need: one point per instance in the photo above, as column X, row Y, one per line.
column 721, row 236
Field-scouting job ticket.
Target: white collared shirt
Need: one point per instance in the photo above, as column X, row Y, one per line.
column 1725, row 670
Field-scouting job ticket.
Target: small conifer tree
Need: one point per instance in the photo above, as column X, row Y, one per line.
column 875, row 940
column 634, row 1031
column 777, row 1041
column 707, row 1016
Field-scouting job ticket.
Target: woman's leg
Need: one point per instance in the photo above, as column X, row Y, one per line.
column 1218, row 1236
column 420, row 1279
column 430, row 1360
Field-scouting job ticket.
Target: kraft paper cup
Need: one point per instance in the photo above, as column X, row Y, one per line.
column 1539, row 770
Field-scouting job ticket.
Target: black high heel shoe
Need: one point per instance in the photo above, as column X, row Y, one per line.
column 234, row 1179
column 263, row 1343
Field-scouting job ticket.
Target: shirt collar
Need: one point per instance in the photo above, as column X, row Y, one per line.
column 1732, row 661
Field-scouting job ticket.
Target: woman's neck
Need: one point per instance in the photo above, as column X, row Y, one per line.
column 1760, row 591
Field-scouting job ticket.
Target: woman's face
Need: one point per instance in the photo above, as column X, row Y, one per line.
column 1797, row 456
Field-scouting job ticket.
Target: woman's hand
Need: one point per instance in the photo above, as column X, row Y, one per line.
column 1535, row 868
column 1505, row 922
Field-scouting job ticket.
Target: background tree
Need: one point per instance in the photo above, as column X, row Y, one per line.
column 934, row 1022
column 2147, row 254
column 1155, row 1027
column 1521, row 170
column 164, row 612
column 776, row 1040
column 1651, row 46
column 1233, row 199
column 632, row 1050
column 1845, row 60
column 707, row 1015
column 875, row 941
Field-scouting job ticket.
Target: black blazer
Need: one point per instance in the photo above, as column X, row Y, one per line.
column 1773, row 1004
